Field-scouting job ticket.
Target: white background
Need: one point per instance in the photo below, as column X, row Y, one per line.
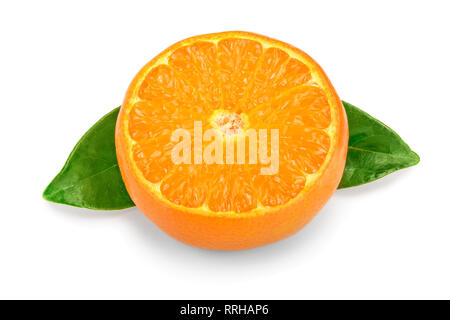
column 62, row 66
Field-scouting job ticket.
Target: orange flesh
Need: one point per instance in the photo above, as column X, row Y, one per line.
column 250, row 84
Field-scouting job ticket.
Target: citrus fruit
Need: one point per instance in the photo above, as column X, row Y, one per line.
column 228, row 84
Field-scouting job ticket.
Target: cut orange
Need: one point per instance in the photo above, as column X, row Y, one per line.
column 231, row 82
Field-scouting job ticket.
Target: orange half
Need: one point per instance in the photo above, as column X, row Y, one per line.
column 235, row 81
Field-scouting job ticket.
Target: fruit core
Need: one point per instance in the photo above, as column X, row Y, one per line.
column 229, row 123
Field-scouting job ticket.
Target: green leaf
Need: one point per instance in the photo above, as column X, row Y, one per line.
column 374, row 149
column 91, row 177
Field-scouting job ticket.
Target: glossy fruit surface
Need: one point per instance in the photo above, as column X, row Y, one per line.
column 237, row 81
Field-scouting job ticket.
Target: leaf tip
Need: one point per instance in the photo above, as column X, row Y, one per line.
column 416, row 158
column 47, row 195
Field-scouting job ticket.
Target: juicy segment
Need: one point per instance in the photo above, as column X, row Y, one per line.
column 272, row 90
